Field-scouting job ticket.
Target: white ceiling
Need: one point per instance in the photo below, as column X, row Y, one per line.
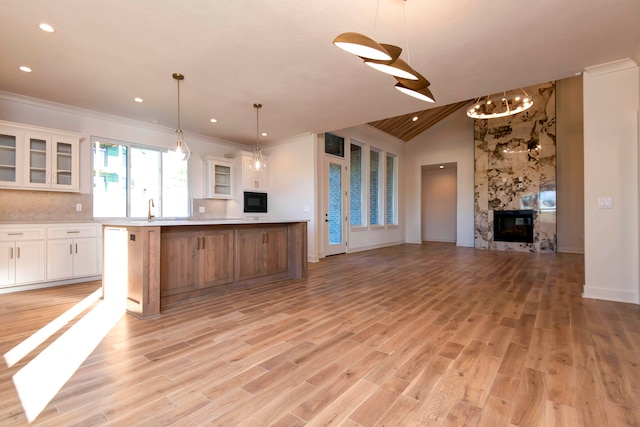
column 280, row 53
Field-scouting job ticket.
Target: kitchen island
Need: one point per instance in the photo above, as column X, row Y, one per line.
column 165, row 262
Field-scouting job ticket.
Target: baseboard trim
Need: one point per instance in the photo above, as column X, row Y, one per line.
column 570, row 250
column 617, row 295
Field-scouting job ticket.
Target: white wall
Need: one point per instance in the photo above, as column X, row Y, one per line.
column 439, row 203
column 449, row 141
column 37, row 112
column 611, row 104
column 369, row 237
column 293, row 182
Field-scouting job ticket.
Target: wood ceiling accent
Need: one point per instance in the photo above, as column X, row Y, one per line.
column 404, row 128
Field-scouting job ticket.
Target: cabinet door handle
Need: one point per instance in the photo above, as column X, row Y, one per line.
column 198, row 243
column 11, row 256
column 202, row 242
column 15, row 234
column 18, row 257
column 73, row 232
column 70, row 249
column 76, row 248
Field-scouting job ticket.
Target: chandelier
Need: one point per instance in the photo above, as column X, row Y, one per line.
column 500, row 105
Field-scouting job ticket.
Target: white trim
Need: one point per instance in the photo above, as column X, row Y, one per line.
column 466, row 244
column 617, row 295
column 369, row 247
column 42, row 285
column 570, row 249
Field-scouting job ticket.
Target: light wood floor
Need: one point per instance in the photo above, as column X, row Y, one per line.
column 410, row 335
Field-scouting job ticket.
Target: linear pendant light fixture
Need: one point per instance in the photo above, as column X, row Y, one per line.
column 179, row 147
column 500, row 105
column 386, row 58
column 257, row 162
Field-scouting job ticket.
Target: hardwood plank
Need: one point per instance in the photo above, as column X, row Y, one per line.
column 412, row 334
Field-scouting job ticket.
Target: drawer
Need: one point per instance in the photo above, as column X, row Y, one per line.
column 71, row 232
column 22, row 234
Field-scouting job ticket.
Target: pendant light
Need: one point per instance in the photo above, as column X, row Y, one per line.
column 395, row 67
column 363, row 46
column 257, row 162
column 179, row 147
column 416, row 88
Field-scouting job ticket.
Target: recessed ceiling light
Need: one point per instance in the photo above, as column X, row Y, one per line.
column 213, row 120
column 25, row 69
column 138, row 99
column 441, row 166
column 264, row 134
column 46, row 27
column 415, row 118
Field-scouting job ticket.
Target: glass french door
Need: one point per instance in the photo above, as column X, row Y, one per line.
column 335, row 215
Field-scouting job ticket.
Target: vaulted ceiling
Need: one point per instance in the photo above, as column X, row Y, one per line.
column 234, row 53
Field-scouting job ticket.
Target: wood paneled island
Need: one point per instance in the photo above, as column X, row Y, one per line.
column 165, row 262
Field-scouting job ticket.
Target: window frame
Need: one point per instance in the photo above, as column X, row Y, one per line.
column 158, row 203
column 394, row 187
column 364, row 219
column 380, row 187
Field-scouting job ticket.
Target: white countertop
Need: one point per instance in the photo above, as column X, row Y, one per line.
column 180, row 222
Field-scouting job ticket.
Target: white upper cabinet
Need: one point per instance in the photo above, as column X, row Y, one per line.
column 218, row 178
column 10, row 157
column 36, row 158
column 250, row 180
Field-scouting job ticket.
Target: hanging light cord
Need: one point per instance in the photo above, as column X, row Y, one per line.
column 179, row 105
column 406, row 32
column 257, row 107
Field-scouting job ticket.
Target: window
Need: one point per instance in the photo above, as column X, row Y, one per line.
column 375, row 187
column 390, row 202
column 355, row 185
column 126, row 177
column 333, row 144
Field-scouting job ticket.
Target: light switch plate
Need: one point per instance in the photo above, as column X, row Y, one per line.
column 78, row 207
column 201, row 209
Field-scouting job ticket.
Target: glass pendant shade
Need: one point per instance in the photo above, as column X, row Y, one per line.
column 257, row 162
column 179, row 147
column 363, row 46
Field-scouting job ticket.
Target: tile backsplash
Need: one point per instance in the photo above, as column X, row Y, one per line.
column 45, row 206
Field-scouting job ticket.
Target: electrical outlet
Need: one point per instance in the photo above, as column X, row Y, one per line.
column 201, row 209
column 78, row 207
column 605, row 203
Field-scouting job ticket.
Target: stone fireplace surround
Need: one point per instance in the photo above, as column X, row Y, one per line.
column 515, row 169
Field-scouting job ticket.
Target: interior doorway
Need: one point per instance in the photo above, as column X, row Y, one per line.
column 438, row 207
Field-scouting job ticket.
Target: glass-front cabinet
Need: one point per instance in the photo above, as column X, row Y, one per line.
column 218, row 178
column 38, row 158
column 10, row 157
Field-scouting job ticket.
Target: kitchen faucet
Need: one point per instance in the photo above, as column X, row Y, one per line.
column 149, row 214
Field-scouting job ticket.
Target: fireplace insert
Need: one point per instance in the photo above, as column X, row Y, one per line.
column 513, row 226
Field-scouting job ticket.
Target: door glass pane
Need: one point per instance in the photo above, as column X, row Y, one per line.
column 8, row 158
column 145, row 182
column 175, row 187
column 335, row 204
column 109, row 180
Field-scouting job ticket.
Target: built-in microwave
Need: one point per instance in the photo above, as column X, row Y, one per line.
column 255, row 202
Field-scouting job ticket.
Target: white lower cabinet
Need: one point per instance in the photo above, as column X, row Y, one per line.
column 22, row 260
column 33, row 254
column 72, row 252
